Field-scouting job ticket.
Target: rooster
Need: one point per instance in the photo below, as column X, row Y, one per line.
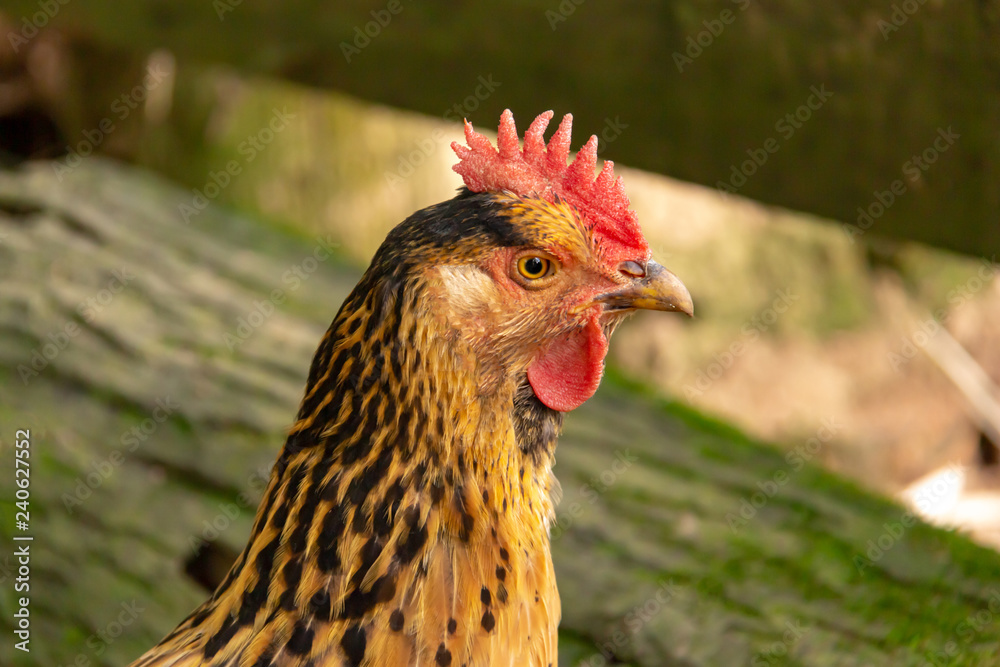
column 406, row 520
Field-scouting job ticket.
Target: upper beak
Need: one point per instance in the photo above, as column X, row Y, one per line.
column 658, row 289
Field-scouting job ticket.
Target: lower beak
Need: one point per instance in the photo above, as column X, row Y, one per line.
column 658, row 289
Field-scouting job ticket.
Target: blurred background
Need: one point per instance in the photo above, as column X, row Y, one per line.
column 824, row 178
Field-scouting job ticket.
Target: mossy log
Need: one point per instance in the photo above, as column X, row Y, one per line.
column 156, row 364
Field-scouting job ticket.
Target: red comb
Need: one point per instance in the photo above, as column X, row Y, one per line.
column 541, row 170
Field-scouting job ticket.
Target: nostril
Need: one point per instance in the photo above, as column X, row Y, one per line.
column 631, row 268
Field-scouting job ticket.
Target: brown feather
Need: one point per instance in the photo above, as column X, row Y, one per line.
column 406, row 519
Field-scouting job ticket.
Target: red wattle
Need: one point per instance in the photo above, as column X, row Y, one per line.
column 569, row 372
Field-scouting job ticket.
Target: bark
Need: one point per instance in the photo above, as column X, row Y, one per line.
column 168, row 366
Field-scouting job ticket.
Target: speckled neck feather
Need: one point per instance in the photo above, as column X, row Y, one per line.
column 406, row 519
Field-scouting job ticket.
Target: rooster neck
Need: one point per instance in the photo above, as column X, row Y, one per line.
column 397, row 403
column 406, row 520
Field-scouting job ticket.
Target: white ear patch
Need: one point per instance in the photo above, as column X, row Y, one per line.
column 468, row 286
column 468, row 289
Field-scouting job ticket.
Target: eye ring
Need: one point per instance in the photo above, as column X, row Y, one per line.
column 532, row 269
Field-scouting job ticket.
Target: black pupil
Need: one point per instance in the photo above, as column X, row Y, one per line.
column 534, row 266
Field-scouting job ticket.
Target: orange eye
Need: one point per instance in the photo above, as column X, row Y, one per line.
column 533, row 267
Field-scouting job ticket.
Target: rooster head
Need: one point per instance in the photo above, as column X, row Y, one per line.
column 564, row 261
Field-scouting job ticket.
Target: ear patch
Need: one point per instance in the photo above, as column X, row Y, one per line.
column 468, row 287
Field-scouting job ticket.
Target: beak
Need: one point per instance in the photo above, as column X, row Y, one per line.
column 658, row 289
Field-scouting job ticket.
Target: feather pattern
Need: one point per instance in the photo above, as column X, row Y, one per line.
column 406, row 518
